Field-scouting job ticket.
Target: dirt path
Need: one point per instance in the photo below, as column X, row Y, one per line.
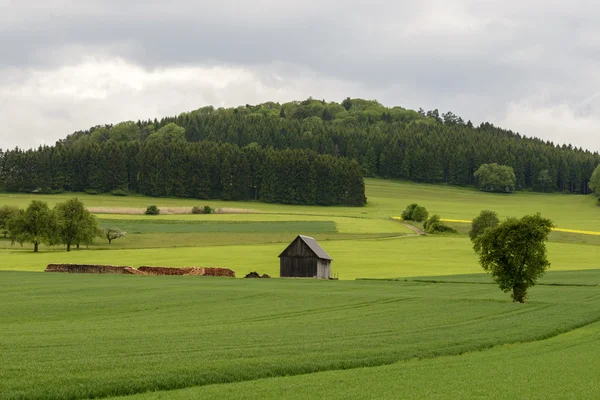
column 414, row 229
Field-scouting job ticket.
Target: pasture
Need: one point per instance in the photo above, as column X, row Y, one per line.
column 411, row 315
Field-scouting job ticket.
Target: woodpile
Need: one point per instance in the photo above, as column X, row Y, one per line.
column 193, row 271
column 145, row 270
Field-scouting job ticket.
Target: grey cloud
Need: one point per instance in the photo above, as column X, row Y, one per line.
column 476, row 58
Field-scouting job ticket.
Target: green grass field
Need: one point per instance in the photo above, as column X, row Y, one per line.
column 425, row 323
column 80, row 336
column 563, row 367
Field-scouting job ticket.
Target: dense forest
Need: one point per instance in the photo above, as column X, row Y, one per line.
column 308, row 152
column 174, row 167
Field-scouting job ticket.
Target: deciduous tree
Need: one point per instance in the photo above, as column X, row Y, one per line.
column 36, row 224
column 495, row 178
column 514, row 252
column 74, row 223
column 486, row 219
column 6, row 213
column 113, row 233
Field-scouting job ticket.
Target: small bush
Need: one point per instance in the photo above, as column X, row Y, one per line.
column 415, row 212
column 119, row 192
column 256, row 275
column 203, row 210
column 420, row 214
column 407, row 214
column 91, row 191
column 433, row 225
column 152, row 210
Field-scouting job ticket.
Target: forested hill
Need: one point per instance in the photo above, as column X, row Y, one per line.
column 387, row 142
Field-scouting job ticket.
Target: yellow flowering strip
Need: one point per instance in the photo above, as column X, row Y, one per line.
column 576, row 231
column 464, row 221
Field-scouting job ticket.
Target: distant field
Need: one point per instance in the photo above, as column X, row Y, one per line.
column 365, row 258
column 385, row 199
column 69, row 336
column 165, row 226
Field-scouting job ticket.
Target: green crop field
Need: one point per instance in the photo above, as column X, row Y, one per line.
column 411, row 317
column 79, row 336
column 563, row 367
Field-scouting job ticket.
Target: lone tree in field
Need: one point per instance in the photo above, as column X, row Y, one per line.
column 34, row 225
column 112, row 234
column 595, row 181
column 6, row 213
column 495, row 178
column 74, row 223
column 514, row 252
column 486, row 219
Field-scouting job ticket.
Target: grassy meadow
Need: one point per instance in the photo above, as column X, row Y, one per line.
column 411, row 317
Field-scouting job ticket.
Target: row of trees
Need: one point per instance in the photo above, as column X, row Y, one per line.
column 168, row 165
column 387, row 142
column 68, row 223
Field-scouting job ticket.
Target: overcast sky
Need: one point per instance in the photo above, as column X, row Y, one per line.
column 532, row 66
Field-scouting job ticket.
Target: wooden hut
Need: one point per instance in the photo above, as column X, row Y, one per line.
column 305, row 258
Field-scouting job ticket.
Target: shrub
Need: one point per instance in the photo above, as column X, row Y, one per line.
column 152, row 210
column 91, row 191
column 408, row 212
column 203, row 210
column 415, row 212
column 119, row 192
column 420, row 214
column 433, row 225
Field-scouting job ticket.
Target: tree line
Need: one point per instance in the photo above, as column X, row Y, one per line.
column 387, row 142
column 168, row 165
column 68, row 223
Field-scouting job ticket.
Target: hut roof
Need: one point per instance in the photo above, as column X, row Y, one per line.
column 314, row 246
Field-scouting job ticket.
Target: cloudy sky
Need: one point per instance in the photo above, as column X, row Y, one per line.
column 532, row 66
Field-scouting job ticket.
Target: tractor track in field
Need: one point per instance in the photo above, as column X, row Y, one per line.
column 414, row 229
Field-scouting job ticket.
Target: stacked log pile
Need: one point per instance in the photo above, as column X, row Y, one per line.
column 145, row 270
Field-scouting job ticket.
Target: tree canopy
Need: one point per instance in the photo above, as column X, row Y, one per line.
column 35, row 225
column 486, row 219
column 514, row 252
column 74, row 224
column 595, row 181
column 495, row 178
column 415, row 212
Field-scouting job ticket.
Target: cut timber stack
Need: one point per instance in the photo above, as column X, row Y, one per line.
column 146, row 270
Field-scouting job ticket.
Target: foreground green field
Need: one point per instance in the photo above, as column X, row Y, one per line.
column 563, row 367
column 67, row 336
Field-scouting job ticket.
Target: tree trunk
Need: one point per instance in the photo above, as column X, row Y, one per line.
column 68, row 246
column 519, row 293
column 109, row 241
column 35, row 247
column 77, row 246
